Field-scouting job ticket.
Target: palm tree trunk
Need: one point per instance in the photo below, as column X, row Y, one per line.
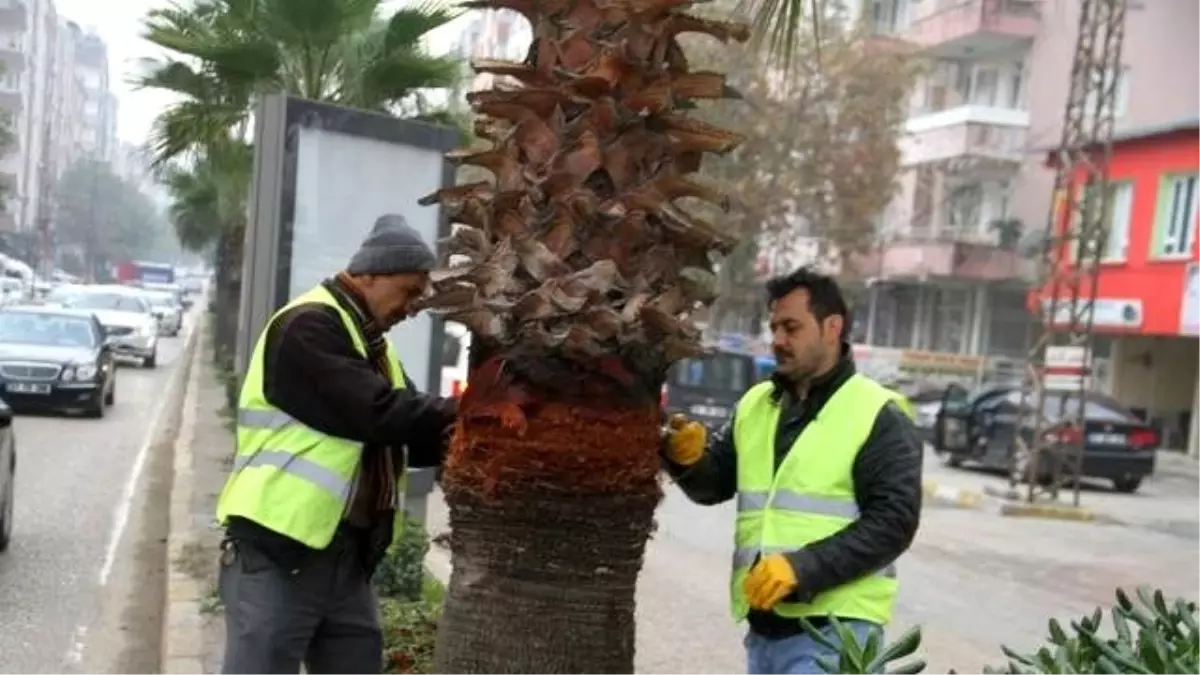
column 228, row 295
column 549, row 524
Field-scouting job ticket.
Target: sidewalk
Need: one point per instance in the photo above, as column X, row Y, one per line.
column 193, row 630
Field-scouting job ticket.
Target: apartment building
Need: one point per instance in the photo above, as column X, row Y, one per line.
column 496, row 34
column 99, row 125
column 956, row 256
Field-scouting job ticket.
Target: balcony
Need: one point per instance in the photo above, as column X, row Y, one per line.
column 966, row 258
column 14, row 13
column 961, row 28
column 967, row 134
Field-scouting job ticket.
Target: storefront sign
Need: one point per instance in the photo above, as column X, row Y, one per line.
column 1107, row 313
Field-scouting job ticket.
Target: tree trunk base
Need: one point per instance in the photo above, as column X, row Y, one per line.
column 548, row 531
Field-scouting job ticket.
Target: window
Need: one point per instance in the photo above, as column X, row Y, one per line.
column 451, row 349
column 1016, row 79
column 985, row 86
column 1115, row 222
column 1175, row 216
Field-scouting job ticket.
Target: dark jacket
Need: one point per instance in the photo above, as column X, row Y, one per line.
column 887, row 484
column 313, row 373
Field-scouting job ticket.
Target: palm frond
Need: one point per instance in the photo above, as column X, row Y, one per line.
column 407, row 26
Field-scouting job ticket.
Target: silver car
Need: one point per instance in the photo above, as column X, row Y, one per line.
column 128, row 320
column 166, row 308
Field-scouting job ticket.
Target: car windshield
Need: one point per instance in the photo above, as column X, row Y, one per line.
column 45, row 329
column 160, row 299
column 725, row 372
column 109, row 301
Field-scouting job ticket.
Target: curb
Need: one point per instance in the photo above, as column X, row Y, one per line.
column 182, row 643
column 935, row 494
column 437, row 563
column 1050, row 512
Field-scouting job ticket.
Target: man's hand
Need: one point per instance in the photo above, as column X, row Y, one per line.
column 769, row 581
column 686, row 440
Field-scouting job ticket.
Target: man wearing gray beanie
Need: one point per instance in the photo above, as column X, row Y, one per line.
column 327, row 424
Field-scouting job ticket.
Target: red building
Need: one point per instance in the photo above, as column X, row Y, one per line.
column 1146, row 310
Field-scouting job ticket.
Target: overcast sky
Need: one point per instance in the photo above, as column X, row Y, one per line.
column 119, row 23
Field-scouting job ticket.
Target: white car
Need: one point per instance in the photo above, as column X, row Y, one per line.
column 128, row 320
column 166, row 308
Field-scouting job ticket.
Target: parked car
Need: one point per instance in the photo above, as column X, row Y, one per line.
column 707, row 389
column 127, row 319
column 181, row 296
column 8, row 475
column 57, row 359
column 166, row 309
column 981, row 428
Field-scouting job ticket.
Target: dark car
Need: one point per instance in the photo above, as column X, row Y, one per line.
column 8, row 474
column 56, row 359
column 707, row 389
column 981, row 428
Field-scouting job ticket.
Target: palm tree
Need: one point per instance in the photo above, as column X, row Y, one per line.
column 581, row 269
column 223, row 53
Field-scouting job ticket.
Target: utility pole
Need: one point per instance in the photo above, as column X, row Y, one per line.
column 1076, row 236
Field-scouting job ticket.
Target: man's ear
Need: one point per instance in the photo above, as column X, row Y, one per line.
column 834, row 323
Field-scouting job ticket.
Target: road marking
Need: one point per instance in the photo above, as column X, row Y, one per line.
column 78, row 640
column 125, row 504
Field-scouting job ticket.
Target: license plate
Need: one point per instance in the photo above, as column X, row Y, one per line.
column 28, row 388
column 709, row 411
column 1107, row 439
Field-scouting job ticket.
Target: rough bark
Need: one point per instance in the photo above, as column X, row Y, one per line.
column 549, row 521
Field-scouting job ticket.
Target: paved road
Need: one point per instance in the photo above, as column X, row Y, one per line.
column 973, row 580
column 73, row 488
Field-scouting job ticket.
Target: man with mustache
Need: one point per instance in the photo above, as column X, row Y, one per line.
column 826, row 470
column 327, row 423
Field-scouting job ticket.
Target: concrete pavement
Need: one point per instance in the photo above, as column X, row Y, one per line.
column 974, row 579
column 79, row 484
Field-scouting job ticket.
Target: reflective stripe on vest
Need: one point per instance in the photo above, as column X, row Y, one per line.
column 809, row 497
column 287, row 476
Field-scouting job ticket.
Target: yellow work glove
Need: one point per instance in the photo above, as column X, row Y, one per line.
column 769, row 581
column 685, row 440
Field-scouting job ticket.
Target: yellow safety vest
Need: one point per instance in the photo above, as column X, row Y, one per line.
column 809, row 498
column 286, row 476
column 905, row 404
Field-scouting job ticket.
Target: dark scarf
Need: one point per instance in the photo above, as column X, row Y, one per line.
column 378, row 466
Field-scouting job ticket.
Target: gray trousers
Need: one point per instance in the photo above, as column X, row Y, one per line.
column 323, row 614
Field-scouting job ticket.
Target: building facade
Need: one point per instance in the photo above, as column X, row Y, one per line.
column 956, row 251
column 1147, row 307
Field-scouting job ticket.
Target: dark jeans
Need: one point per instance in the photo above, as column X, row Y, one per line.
column 322, row 613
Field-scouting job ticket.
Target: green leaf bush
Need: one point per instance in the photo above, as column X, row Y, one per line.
column 1149, row 635
column 872, row 656
column 410, row 602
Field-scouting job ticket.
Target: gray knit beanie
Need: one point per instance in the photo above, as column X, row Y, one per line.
column 393, row 247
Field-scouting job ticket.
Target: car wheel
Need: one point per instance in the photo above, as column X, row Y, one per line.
column 110, row 396
column 96, row 409
column 6, row 509
column 1127, row 485
column 150, row 361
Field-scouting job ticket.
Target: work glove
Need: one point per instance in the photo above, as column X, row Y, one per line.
column 686, row 440
column 770, row 580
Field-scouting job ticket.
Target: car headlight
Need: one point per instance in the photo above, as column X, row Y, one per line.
column 85, row 371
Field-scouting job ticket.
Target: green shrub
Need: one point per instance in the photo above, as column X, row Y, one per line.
column 1149, row 636
column 870, row 657
column 401, row 573
column 410, row 629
